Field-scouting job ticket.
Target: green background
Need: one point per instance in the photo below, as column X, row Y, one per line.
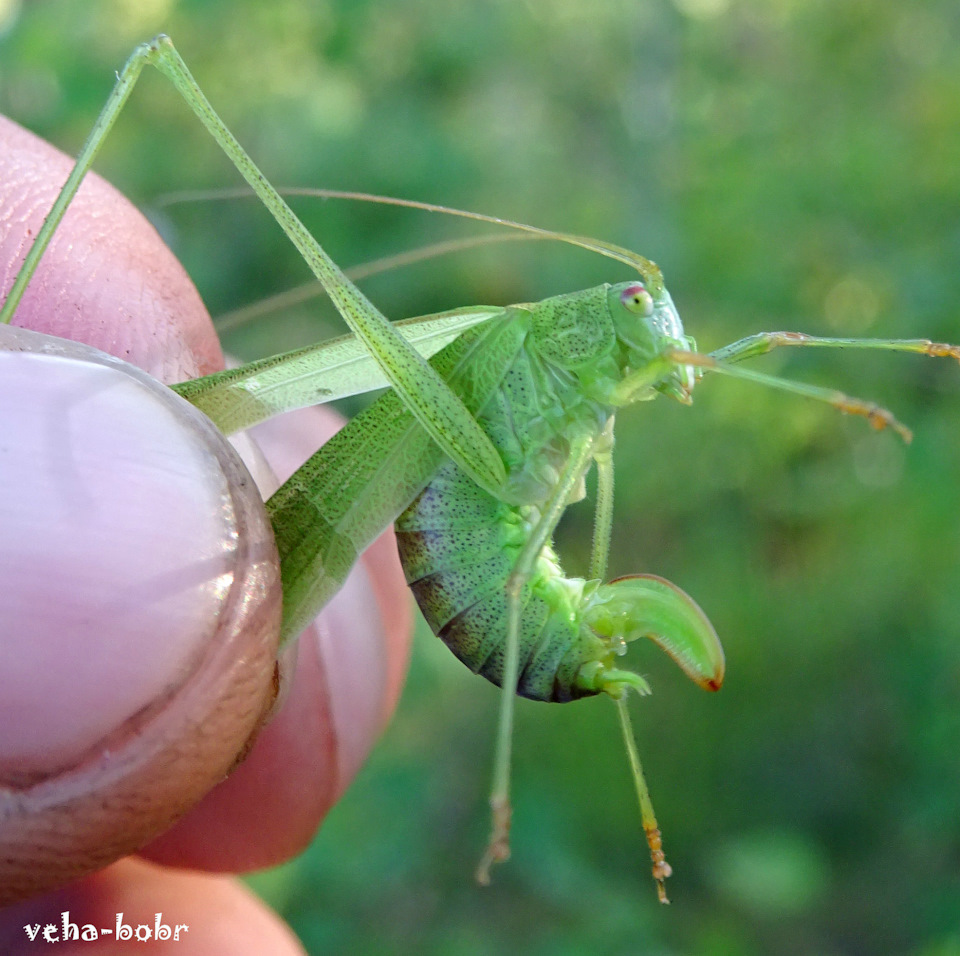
column 789, row 165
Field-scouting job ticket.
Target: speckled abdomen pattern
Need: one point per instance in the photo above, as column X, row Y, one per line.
column 458, row 545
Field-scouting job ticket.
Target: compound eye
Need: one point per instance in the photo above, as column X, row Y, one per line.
column 636, row 298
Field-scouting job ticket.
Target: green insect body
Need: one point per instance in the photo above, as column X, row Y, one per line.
column 544, row 382
column 541, row 379
column 459, row 544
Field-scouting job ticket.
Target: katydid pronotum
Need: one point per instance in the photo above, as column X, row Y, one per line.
column 475, row 455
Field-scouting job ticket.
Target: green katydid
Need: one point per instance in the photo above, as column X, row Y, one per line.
column 475, row 455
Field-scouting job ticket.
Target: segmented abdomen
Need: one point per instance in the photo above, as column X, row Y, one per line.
column 458, row 545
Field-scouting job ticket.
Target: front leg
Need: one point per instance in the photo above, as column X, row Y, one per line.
column 763, row 342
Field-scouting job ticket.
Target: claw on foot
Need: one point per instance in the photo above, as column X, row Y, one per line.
column 661, row 869
column 498, row 849
column 943, row 350
column 879, row 418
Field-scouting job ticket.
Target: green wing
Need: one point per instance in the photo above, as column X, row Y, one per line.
column 335, row 368
column 337, row 503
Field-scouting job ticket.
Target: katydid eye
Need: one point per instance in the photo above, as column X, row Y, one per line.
column 637, row 299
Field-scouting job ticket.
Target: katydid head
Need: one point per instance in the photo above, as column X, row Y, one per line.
column 648, row 326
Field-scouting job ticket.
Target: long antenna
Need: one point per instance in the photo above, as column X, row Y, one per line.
column 311, row 290
column 649, row 270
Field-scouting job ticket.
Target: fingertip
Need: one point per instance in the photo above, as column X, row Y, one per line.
column 108, row 279
column 109, row 683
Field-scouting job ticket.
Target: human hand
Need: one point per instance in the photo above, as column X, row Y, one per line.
column 114, row 729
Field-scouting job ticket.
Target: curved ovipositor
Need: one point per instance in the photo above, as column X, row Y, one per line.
column 646, row 605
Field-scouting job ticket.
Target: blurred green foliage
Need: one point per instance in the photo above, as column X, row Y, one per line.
column 788, row 164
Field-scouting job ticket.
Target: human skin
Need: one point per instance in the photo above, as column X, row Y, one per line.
column 107, row 280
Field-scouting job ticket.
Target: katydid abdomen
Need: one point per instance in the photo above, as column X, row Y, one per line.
column 458, row 547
